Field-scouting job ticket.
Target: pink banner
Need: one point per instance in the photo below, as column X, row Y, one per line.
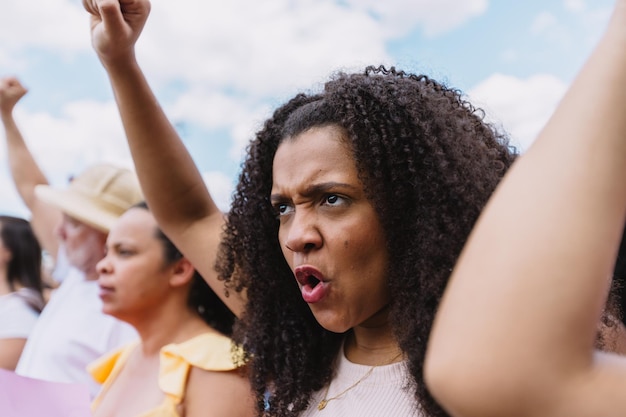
column 27, row 397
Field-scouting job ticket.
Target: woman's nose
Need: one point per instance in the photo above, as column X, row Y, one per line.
column 303, row 234
column 103, row 266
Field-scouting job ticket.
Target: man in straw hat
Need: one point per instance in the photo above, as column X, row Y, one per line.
column 72, row 225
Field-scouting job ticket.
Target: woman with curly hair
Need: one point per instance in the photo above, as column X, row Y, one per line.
column 21, row 287
column 351, row 209
column 529, row 287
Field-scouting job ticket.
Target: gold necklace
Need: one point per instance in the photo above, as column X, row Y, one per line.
column 324, row 402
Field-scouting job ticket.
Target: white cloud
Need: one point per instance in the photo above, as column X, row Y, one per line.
column 234, row 61
column 60, row 25
column 211, row 109
column 510, row 55
column 579, row 31
column 434, row 16
column 84, row 133
column 521, row 106
column 11, row 202
column 593, row 22
column 218, row 44
column 221, row 187
column 576, row 6
column 257, row 48
column 542, row 23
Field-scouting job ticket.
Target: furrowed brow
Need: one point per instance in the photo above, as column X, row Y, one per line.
column 315, row 189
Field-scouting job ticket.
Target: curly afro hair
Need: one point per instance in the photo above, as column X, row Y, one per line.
column 428, row 162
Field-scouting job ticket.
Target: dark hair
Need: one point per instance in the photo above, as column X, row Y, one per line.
column 616, row 304
column 201, row 297
column 25, row 265
column 428, row 163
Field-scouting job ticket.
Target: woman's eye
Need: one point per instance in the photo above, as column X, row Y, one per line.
column 283, row 209
column 333, row 200
column 124, row 252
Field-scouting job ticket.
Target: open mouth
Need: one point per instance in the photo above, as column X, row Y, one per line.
column 312, row 281
column 308, row 276
column 313, row 286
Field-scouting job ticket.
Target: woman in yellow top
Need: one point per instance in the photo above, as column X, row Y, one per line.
column 182, row 365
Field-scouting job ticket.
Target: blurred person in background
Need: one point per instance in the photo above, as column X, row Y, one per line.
column 21, row 287
column 184, row 356
column 72, row 225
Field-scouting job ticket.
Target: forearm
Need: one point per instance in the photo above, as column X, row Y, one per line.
column 10, row 352
column 171, row 183
column 26, row 176
column 24, row 169
column 527, row 293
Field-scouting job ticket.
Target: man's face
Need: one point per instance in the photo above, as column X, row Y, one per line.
column 84, row 245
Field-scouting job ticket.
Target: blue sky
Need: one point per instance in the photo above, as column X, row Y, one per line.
column 219, row 69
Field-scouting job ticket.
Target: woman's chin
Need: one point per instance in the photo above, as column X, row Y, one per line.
column 332, row 324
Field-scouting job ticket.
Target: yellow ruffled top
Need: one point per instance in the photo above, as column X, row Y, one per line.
column 208, row 351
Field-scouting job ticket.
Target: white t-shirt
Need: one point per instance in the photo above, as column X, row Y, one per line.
column 72, row 332
column 384, row 392
column 17, row 318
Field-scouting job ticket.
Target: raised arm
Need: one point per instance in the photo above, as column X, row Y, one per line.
column 171, row 183
column 24, row 169
column 515, row 332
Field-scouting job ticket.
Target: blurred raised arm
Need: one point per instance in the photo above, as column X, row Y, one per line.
column 25, row 170
column 171, row 183
column 515, row 331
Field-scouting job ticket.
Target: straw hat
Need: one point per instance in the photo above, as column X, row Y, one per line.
column 96, row 197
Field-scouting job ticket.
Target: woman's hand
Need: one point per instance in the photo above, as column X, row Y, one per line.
column 11, row 91
column 116, row 26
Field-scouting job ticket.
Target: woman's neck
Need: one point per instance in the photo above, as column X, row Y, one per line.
column 372, row 343
column 168, row 327
column 5, row 288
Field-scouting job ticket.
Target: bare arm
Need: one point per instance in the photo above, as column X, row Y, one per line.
column 218, row 394
column 177, row 195
column 10, row 352
column 24, row 169
column 515, row 332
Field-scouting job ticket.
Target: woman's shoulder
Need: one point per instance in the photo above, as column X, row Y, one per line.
column 102, row 368
column 210, row 351
column 23, row 316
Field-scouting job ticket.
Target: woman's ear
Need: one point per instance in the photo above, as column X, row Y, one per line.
column 6, row 255
column 183, row 273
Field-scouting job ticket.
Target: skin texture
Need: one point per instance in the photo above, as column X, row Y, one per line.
column 528, row 340
column 133, row 278
column 327, row 223
column 10, row 351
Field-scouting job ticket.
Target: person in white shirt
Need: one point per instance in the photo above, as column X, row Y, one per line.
column 21, row 287
column 73, row 222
